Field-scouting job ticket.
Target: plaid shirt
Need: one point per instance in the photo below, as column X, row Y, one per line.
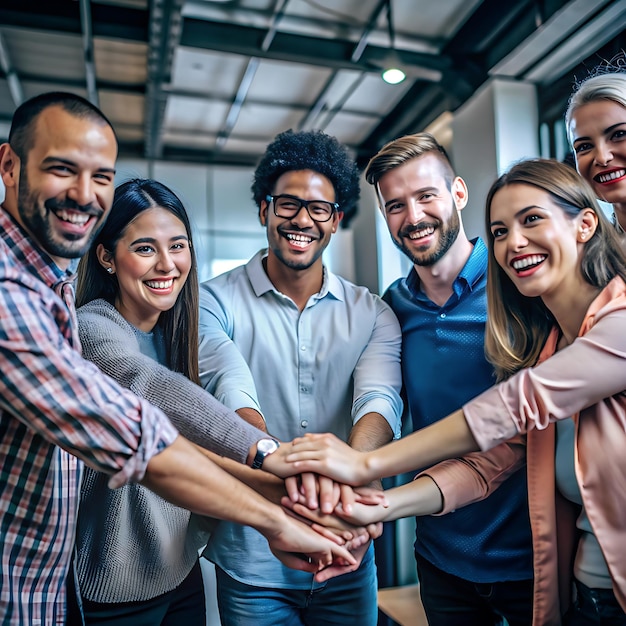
column 56, row 409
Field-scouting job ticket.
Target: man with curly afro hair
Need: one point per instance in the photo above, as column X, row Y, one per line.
column 295, row 349
column 313, row 150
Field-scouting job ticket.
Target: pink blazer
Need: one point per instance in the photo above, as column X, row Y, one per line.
column 586, row 381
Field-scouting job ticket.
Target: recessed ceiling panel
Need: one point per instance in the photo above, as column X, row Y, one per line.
column 204, row 71
column 434, row 20
column 246, row 146
column 120, row 61
column 122, row 107
column 34, row 88
column 287, row 83
column 49, row 55
column 256, row 118
column 194, row 114
column 350, row 129
column 348, row 12
column 374, row 95
column 139, row 4
column 197, row 140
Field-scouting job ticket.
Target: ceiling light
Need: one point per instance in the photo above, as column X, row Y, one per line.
column 393, row 75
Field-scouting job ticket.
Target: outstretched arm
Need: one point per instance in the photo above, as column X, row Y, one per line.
column 187, row 478
column 327, row 455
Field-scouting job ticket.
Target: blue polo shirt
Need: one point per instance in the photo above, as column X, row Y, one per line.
column 444, row 366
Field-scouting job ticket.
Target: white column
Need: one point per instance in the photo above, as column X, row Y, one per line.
column 495, row 128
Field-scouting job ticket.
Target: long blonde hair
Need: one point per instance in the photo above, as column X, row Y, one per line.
column 517, row 325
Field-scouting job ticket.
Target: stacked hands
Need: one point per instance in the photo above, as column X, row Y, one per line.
column 322, row 477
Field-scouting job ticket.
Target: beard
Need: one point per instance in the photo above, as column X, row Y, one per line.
column 448, row 233
column 37, row 219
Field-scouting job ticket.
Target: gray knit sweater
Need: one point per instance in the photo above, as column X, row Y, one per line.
column 132, row 545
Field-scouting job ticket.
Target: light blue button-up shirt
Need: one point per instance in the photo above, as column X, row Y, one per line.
column 316, row 370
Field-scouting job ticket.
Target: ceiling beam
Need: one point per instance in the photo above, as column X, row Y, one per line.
column 332, row 53
column 114, row 21
column 248, row 76
column 165, row 27
column 138, row 89
column 349, row 28
column 88, row 52
column 15, row 86
column 321, row 102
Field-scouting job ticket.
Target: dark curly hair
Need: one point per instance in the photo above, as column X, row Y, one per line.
column 309, row 150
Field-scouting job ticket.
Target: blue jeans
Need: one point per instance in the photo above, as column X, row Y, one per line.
column 594, row 607
column 347, row 599
column 452, row 601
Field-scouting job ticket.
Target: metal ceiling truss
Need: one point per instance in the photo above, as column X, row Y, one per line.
column 451, row 72
column 164, row 35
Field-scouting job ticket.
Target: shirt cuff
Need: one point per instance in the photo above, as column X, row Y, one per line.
column 237, row 399
column 451, row 477
column 381, row 406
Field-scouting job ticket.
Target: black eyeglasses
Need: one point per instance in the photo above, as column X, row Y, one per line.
column 287, row 206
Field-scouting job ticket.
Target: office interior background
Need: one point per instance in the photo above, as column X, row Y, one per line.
column 196, row 89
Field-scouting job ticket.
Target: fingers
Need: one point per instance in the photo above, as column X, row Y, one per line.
column 367, row 495
column 292, row 485
column 329, row 494
column 297, row 561
column 312, row 447
column 361, row 537
column 338, row 568
column 332, row 571
column 375, row 530
column 339, row 553
column 309, row 487
column 331, row 534
column 347, row 498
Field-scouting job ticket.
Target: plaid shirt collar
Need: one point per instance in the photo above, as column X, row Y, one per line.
column 31, row 257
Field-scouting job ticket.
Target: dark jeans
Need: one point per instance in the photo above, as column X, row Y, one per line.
column 184, row 606
column 452, row 601
column 594, row 606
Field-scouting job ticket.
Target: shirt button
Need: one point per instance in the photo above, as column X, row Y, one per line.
column 303, row 389
column 303, row 348
column 304, row 423
column 442, row 316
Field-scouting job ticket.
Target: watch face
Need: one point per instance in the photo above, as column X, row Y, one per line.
column 266, row 446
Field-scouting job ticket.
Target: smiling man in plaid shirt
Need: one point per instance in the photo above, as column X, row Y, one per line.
column 57, row 410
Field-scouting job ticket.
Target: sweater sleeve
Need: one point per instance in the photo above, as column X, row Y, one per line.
column 590, row 369
column 108, row 341
column 475, row 476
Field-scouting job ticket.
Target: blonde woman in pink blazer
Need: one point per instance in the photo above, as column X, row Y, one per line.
column 556, row 334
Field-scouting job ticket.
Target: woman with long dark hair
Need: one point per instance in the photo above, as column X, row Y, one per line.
column 137, row 555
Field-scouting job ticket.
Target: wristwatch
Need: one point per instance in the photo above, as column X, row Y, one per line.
column 264, row 447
